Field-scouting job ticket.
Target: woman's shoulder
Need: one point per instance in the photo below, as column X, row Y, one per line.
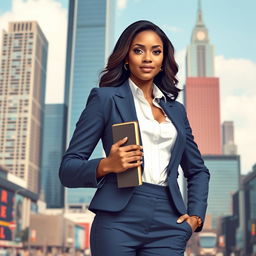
column 102, row 94
column 104, row 91
column 107, row 92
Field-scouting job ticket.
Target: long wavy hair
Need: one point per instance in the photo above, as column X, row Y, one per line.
column 115, row 73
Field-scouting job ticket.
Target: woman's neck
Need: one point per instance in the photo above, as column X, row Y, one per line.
column 145, row 86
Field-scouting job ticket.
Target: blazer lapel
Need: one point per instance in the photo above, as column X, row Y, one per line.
column 125, row 103
column 172, row 113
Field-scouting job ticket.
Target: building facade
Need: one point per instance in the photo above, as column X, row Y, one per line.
column 224, row 182
column 53, row 146
column 202, row 97
column 22, row 93
column 228, row 140
column 16, row 204
column 243, row 226
column 200, row 53
column 249, row 187
column 203, row 109
column 90, row 38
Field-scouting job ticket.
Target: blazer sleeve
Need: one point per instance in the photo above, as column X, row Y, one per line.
column 76, row 170
column 196, row 173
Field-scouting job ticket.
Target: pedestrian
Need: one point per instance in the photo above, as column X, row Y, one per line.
column 139, row 84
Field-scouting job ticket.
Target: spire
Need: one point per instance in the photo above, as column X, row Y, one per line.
column 199, row 14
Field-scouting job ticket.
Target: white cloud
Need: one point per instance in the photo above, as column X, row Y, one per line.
column 238, row 103
column 52, row 18
column 172, row 29
column 237, row 75
column 241, row 109
column 121, row 4
column 180, row 59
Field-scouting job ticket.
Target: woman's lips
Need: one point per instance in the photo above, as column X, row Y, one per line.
column 146, row 69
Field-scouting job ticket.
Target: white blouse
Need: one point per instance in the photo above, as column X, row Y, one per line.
column 157, row 138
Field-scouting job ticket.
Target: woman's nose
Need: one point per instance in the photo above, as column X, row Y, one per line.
column 147, row 58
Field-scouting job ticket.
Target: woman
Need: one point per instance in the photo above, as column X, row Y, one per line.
column 139, row 84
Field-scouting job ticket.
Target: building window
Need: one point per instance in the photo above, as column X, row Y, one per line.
column 201, row 60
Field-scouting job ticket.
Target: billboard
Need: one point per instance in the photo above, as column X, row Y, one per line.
column 18, row 216
column 6, row 214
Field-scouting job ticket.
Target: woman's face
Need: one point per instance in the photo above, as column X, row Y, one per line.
column 145, row 56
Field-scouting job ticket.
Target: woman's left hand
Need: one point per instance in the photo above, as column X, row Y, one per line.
column 190, row 220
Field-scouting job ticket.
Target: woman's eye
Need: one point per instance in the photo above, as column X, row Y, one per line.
column 157, row 52
column 138, row 51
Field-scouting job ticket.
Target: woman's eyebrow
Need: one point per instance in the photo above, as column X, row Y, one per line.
column 156, row 46
column 143, row 46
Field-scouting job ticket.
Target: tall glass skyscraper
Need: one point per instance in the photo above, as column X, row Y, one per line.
column 224, row 182
column 54, row 133
column 90, row 39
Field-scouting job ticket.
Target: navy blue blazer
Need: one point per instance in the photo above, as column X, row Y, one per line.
column 109, row 105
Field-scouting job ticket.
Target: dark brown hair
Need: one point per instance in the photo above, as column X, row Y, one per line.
column 115, row 73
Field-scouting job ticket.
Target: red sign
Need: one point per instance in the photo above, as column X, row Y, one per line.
column 6, row 214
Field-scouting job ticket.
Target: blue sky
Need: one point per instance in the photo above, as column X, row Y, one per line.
column 5, row 5
column 231, row 23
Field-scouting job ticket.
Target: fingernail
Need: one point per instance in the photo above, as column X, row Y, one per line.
column 179, row 221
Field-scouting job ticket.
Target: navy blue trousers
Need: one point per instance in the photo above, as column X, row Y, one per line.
column 146, row 227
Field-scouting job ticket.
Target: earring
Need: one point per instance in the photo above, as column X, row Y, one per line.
column 126, row 66
column 161, row 69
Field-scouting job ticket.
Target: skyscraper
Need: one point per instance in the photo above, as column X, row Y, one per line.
column 249, row 189
column 200, row 53
column 22, row 93
column 228, row 142
column 53, row 146
column 202, row 97
column 90, row 38
column 203, row 107
column 202, row 102
column 224, row 182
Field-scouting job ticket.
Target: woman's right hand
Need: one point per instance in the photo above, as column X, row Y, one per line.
column 120, row 158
